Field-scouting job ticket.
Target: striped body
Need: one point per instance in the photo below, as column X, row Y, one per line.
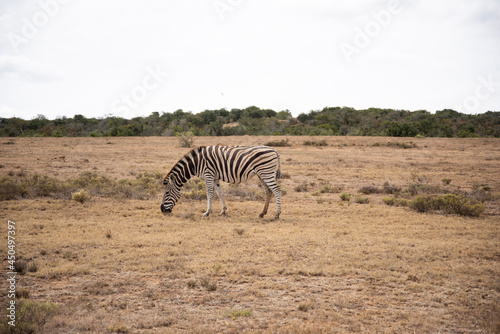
column 232, row 164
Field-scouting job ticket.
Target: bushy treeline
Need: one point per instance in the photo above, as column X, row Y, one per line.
column 256, row 121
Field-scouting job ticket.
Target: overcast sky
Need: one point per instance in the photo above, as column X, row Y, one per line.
column 130, row 58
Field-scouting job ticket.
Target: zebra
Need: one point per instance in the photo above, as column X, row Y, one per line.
column 232, row 164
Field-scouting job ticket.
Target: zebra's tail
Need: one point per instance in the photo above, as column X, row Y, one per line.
column 278, row 172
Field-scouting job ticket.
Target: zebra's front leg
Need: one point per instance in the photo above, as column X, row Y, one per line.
column 210, row 196
column 221, row 197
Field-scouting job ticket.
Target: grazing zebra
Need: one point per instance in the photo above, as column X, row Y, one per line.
column 233, row 164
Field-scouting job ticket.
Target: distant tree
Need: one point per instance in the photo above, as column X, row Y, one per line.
column 235, row 114
column 284, row 114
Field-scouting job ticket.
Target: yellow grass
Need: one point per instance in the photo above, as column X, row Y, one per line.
column 327, row 266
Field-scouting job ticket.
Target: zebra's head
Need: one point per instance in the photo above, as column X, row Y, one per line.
column 172, row 194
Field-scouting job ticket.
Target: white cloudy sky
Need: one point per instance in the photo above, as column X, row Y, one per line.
column 130, row 58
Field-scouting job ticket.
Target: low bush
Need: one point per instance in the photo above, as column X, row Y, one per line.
column 401, row 145
column 346, row 197
column 361, row 200
column 450, row 204
column 423, row 188
column 235, row 314
column 396, row 144
column 303, row 187
column 144, row 187
column 82, row 196
column 316, row 143
column 279, row 143
column 208, row 284
column 329, row 189
column 195, row 189
column 186, row 139
column 367, row 190
column 389, row 188
column 45, row 186
column 306, row 306
column 392, row 201
column 446, row 181
column 30, row 317
column 12, row 189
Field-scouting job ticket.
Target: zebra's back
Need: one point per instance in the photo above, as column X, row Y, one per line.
column 235, row 164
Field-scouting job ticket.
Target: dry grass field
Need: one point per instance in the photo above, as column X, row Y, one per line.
column 115, row 264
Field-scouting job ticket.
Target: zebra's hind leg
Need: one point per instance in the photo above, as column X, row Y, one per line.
column 277, row 193
column 267, row 191
column 221, row 197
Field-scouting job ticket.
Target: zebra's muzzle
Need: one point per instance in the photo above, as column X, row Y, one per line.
column 165, row 210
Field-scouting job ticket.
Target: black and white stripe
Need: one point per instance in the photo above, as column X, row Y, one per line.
column 232, row 164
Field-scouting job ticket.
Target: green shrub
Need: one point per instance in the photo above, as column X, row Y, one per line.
column 392, row 201
column 144, row 187
column 45, row 186
column 423, row 203
column 461, row 205
column 361, row 199
column 186, row 139
column 235, row 314
column 450, row 204
column 446, row 181
column 389, row 201
column 346, row 197
column 12, row 189
column 30, row 317
column 81, row 196
column 329, row 189
column 195, row 189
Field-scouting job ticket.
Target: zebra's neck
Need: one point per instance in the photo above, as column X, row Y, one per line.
column 186, row 167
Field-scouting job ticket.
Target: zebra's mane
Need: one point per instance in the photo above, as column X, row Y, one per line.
column 185, row 155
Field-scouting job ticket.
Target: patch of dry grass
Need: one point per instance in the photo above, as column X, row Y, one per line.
column 117, row 265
